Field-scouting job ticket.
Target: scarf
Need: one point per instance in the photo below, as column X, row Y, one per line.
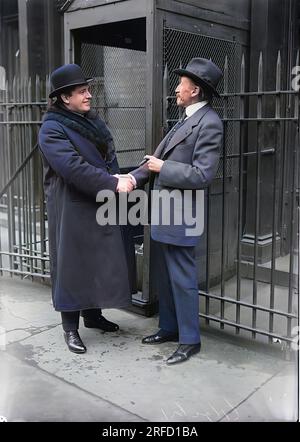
column 90, row 126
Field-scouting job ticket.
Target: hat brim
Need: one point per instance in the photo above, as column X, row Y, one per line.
column 197, row 80
column 61, row 89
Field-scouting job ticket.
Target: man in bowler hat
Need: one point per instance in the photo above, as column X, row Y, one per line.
column 186, row 159
column 87, row 261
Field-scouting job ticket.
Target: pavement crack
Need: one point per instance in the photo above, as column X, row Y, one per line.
column 248, row 397
column 33, row 332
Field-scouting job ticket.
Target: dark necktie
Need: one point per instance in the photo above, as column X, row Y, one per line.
column 172, row 132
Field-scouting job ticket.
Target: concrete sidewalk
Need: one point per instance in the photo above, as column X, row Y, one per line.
column 119, row 379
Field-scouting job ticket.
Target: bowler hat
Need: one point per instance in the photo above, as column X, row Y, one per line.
column 203, row 72
column 65, row 76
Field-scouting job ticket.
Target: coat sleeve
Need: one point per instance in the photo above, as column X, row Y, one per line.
column 111, row 157
column 202, row 171
column 69, row 164
column 141, row 174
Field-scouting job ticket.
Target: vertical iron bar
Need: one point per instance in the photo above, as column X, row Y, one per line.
column 42, row 235
column 225, row 114
column 257, row 193
column 22, row 148
column 13, row 154
column 241, row 178
column 24, row 220
column 9, row 192
column 180, row 108
column 295, row 181
column 21, row 196
column 34, row 183
column 18, row 247
column 291, row 245
column 4, row 180
column 25, row 171
column 207, row 312
column 166, row 92
column 30, row 174
column 15, row 115
column 275, row 206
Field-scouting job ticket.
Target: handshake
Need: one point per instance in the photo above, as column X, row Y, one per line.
column 126, row 183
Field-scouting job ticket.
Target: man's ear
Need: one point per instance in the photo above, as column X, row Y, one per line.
column 196, row 91
column 65, row 99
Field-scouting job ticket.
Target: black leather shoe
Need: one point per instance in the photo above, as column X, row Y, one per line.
column 160, row 338
column 101, row 323
column 183, row 353
column 74, row 342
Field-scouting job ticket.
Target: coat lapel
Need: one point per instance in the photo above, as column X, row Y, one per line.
column 183, row 132
column 160, row 147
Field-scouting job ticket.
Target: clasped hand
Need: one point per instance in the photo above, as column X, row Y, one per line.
column 125, row 183
column 154, row 164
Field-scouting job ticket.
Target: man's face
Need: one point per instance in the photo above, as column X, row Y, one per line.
column 186, row 92
column 80, row 100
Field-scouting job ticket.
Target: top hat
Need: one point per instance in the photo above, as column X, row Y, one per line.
column 203, row 72
column 65, row 76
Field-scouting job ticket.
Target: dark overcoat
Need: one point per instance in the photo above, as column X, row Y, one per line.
column 88, row 263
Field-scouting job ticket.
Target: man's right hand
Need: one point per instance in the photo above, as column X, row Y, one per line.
column 124, row 184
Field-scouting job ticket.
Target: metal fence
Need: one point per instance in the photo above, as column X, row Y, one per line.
column 23, row 224
column 241, row 288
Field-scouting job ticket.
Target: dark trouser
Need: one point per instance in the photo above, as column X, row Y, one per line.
column 178, row 292
column 70, row 320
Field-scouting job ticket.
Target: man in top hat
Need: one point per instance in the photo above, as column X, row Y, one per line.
column 186, row 159
column 88, row 265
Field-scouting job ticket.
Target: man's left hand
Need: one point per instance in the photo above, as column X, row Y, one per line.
column 154, row 164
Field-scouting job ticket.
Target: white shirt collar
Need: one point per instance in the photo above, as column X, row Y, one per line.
column 192, row 108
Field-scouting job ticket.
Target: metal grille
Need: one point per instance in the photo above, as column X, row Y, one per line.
column 63, row 5
column 119, row 95
column 179, row 48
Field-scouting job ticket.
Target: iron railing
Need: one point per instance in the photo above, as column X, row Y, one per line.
column 23, row 222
